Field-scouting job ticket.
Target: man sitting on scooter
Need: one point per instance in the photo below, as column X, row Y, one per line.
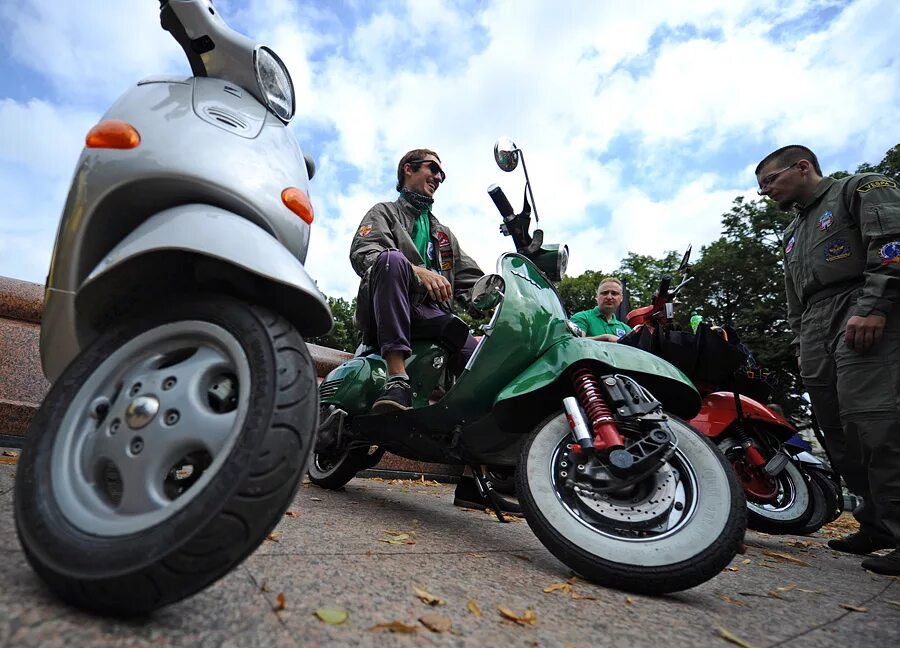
column 600, row 323
column 411, row 266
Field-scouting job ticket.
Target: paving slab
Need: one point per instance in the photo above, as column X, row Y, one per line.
column 333, row 551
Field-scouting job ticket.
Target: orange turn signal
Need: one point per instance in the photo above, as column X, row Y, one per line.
column 298, row 202
column 114, row 134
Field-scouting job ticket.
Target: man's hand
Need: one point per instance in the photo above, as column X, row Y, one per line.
column 435, row 284
column 864, row 332
column 606, row 337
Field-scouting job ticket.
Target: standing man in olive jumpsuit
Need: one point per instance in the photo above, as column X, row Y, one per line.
column 842, row 279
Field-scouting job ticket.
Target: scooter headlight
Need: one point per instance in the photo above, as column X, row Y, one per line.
column 274, row 83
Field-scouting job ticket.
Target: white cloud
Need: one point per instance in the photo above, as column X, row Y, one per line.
column 640, row 122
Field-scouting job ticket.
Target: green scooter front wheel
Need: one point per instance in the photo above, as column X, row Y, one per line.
column 673, row 530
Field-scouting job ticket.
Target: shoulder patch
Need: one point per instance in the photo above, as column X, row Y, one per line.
column 876, row 184
column 789, row 246
column 826, row 220
column 365, row 230
column 890, row 253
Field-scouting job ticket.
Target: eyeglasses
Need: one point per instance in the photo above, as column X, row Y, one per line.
column 433, row 166
column 769, row 179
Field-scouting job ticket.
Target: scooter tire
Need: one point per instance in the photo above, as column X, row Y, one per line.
column 819, row 508
column 697, row 548
column 831, row 491
column 335, row 473
column 148, row 550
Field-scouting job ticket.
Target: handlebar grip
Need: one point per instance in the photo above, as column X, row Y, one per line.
column 664, row 287
column 500, row 201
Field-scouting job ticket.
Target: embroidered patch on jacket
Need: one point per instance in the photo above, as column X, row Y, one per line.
column 446, row 250
column 877, row 184
column 890, row 253
column 836, row 250
column 620, row 332
column 789, row 246
column 365, row 230
column 826, row 220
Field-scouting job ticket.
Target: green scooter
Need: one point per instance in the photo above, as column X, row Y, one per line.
column 610, row 480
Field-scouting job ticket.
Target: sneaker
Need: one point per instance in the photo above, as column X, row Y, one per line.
column 888, row 564
column 862, row 543
column 468, row 496
column 396, row 396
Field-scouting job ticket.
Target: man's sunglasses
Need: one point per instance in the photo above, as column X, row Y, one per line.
column 433, row 166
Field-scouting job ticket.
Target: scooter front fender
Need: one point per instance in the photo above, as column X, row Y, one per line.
column 669, row 385
column 183, row 248
column 718, row 412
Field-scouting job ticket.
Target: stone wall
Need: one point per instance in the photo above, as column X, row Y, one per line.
column 23, row 386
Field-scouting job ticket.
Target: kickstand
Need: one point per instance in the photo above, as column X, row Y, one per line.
column 487, row 490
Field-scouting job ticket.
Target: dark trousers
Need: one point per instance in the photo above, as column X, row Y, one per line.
column 396, row 307
column 856, row 398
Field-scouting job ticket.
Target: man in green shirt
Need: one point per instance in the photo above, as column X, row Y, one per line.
column 600, row 323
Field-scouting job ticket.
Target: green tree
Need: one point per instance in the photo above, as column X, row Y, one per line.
column 739, row 281
column 344, row 335
column 642, row 274
column 579, row 293
column 889, row 166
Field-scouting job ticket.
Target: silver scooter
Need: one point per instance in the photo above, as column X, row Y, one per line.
column 184, row 401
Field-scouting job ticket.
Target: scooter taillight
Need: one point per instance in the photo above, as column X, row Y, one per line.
column 113, row 134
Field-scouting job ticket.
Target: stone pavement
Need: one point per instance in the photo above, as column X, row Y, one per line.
column 331, row 552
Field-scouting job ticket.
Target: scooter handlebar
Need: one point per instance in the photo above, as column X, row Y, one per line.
column 501, row 201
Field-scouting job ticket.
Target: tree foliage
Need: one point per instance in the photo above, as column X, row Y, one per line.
column 344, row 335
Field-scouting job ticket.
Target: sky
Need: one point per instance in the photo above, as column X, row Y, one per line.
column 640, row 122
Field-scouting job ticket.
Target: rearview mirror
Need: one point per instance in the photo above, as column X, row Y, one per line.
column 685, row 259
column 488, row 291
column 506, row 154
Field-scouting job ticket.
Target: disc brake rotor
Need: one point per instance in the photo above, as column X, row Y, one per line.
column 757, row 485
column 653, row 500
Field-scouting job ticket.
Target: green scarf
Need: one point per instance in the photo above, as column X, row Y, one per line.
column 421, row 234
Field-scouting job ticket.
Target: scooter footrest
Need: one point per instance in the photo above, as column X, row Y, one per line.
column 776, row 464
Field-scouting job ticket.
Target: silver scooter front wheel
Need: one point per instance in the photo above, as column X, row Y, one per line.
column 165, row 453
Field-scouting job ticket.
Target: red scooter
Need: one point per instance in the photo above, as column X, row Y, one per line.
column 784, row 495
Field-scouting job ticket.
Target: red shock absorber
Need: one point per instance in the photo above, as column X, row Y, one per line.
column 590, row 395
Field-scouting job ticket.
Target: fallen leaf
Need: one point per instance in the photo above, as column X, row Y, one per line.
column 778, row 591
column 275, row 536
column 529, row 618
column 576, row 595
column 436, row 622
column 728, row 599
column 894, row 603
column 472, row 606
column 280, row 602
column 628, row 601
column 399, row 537
column 853, row 608
column 425, row 597
column 10, row 453
column 315, row 499
column 521, row 557
column 394, row 626
column 292, row 514
column 552, row 587
column 732, row 569
column 784, row 556
column 332, row 615
column 727, row 636
column 746, row 561
column 9, row 460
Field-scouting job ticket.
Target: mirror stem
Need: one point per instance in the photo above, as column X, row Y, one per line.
column 528, row 186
